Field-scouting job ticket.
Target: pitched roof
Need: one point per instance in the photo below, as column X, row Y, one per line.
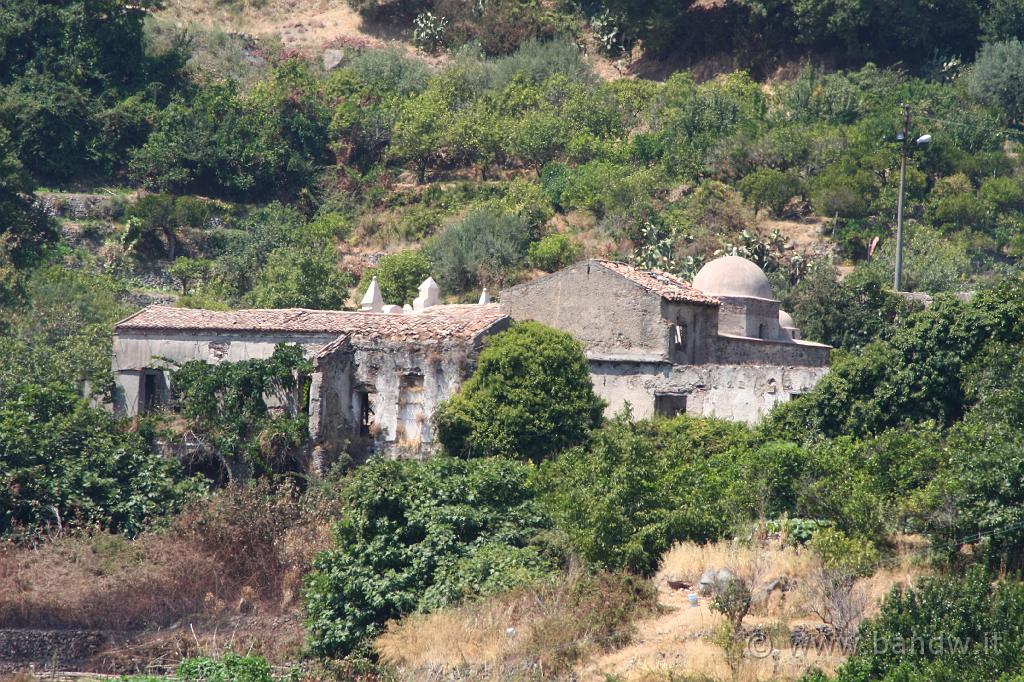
column 665, row 285
column 437, row 323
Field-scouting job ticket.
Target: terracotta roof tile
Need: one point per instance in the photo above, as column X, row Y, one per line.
column 667, row 286
column 438, row 323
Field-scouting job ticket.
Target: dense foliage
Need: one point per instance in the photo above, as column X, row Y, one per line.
column 416, row 536
column 226, row 404
column 530, row 398
column 943, row 629
column 65, row 464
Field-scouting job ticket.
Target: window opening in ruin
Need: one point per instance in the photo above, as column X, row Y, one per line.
column 365, row 411
column 760, row 331
column 680, row 335
column 669, row 404
column 412, row 380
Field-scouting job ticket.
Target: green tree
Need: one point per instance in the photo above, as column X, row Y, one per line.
column 968, row 626
column 481, row 249
column 998, row 77
column 301, row 277
column 66, row 464
column 24, row 229
column 1003, row 20
column 189, row 272
column 399, row 276
column 553, row 252
column 415, row 536
column 637, row 487
column 421, row 129
column 770, row 188
column 529, row 398
column 536, row 138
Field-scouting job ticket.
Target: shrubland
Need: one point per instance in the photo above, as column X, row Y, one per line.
column 270, row 182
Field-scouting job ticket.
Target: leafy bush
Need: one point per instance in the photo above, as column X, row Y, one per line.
column 415, row 536
column 228, row 668
column 529, row 398
column 996, row 77
column 399, row 276
column 771, row 189
column 296, row 277
column 226, row 404
column 553, row 252
column 64, row 464
column 638, row 487
column 483, row 248
column 944, row 628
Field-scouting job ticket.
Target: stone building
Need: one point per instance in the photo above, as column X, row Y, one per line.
column 720, row 347
column 377, row 376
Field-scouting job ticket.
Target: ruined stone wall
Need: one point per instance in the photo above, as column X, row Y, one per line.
column 137, row 351
column 733, row 350
column 609, row 314
column 736, row 392
column 405, row 383
column 330, row 405
column 751, row 317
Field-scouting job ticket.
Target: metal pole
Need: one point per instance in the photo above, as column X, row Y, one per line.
column 897, row 279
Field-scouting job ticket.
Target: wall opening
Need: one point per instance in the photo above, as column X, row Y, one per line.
column 669, row 404
column 152, row 391
column 364, row 410
column 760, row 331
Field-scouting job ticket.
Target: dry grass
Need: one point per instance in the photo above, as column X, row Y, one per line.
column 225, row 575
column 675, row 645
column 538, row 632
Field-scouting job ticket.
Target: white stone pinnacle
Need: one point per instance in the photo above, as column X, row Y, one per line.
column 429, row 295
column 372, row 300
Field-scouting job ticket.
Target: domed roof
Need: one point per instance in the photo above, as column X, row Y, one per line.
column 733, row 276
column 786, row 320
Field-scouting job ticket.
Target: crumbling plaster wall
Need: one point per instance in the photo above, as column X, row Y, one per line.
column 753, row 317
column 136, row 351
column 609, row 314
column 736, row 392
column 330, row 404
column 405, row 384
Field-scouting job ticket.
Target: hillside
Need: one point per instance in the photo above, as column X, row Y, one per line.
column 269, row 477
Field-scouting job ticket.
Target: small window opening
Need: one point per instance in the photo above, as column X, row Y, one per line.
column 412, row 380
column 760, row 331
column 680, row 335
column 365, row 411
column 669, row 404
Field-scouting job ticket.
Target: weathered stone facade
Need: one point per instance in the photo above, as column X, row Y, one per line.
column 377, row 377
column 662, row 345
column 665, row 346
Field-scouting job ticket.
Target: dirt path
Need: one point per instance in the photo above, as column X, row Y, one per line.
column 678, row 641
column 307, row 25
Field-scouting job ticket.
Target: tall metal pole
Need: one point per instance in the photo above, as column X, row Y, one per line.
column 899, row 204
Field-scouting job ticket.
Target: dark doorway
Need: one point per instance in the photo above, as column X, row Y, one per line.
column 669, row 404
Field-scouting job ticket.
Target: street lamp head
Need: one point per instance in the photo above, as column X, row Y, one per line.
column 924, row 139
column 899, row 137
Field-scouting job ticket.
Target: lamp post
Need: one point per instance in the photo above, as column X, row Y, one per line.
column 904, row 139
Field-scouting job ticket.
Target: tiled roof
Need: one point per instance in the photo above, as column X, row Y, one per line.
column 437, row 323
column 667, row 286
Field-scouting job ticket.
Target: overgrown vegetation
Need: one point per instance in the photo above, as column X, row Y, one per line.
column 260, row 179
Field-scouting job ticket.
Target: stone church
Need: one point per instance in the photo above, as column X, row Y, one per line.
column 717, row 347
